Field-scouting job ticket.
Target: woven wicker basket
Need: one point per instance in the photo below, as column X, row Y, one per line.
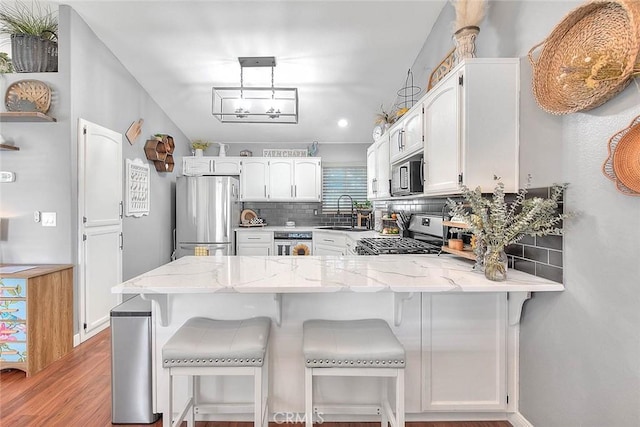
column 31, row 54
column 567, row 76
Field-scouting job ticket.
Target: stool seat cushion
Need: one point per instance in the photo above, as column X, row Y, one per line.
column 367, row 343
column 208, row 342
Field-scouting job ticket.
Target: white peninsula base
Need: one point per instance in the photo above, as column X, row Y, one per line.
column 460, row 331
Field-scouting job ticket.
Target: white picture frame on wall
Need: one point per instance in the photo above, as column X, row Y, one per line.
column 137, row 188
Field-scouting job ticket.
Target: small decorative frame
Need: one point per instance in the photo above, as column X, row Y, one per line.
column 137, row 197
column 285, row 152
column 442, row 69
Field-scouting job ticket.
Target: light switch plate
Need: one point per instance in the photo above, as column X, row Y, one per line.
column 7, row 176
column 48, row 219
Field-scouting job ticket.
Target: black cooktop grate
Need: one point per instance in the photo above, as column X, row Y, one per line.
column 402, row 245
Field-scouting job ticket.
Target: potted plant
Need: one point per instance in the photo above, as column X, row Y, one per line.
column 199, row 146
column 34, row 33
column 497, row 224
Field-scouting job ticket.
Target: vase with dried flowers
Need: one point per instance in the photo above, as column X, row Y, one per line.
column 469, row 14
column 199, row 146
column 497, row 224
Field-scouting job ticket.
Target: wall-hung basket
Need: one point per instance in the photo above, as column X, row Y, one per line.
column 588, row 58
column 623, row 162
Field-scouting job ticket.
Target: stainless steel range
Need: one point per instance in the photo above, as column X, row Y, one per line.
column 425, row 233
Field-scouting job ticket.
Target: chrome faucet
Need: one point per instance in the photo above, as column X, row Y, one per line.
column 351, row 200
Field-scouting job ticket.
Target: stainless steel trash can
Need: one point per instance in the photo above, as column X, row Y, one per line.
column 131, row 364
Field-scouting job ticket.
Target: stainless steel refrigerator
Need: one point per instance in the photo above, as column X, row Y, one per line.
column 207, row 211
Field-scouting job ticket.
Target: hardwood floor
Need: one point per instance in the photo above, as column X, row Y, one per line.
column 76, row 391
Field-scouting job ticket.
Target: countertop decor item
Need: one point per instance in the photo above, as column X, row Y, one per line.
column 442, row 69
column 252, row 104
column 198, row 146
column 588, row 58
column 33, row 30
column 469, row 14
column 285, row 152
column 623, row 163
column 28, row 95
column 497, row 224
column 246, row 153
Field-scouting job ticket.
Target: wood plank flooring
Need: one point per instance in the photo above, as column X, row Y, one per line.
column 76, row 391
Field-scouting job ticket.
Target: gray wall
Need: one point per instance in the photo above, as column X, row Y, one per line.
column 579, row 349
column 91, row 84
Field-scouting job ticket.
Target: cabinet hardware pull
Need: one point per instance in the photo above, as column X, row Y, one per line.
column 265, row 191
column 213, row 165
column 291, row 192
column 295, row 191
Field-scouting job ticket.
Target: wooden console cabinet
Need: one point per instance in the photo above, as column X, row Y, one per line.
column 36, row 317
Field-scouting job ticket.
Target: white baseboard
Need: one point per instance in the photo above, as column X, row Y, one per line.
column 518, row 420
column 76, row 340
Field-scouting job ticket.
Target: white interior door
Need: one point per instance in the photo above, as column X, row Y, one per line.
column 100, row 219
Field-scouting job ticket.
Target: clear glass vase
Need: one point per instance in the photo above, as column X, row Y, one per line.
column 495, row 264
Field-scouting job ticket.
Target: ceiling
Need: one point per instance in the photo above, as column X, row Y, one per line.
column 345, row 57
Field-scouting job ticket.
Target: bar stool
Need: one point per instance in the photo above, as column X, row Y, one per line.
column 205, row 346
column 354, row 348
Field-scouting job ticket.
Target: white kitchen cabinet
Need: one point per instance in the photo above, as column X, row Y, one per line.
column 252, row 242
column 206, row 165
column 471, row 128
column 378, row 169
column 464, row 349
column 406, row 136
column 325, row 243
column 280, row 180
column 254, row 179
column 307, row 180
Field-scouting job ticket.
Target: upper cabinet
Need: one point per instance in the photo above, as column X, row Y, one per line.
column 378, row 169
column 471, row 127
column 206, row 165
column 406, row 135
column 285, row 179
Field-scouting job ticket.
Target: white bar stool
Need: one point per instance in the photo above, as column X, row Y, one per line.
column 354, row 348
column 205, row 346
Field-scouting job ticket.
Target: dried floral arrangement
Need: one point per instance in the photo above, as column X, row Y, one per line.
column 200, row 144
column 385, row 117
column 469, row 13
column 497, row 224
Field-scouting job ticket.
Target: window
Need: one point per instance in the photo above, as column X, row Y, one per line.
column 339, row 180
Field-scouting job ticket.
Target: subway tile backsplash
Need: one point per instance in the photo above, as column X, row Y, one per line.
column 302, row 213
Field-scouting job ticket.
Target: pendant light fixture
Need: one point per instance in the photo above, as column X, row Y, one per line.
column 246, row 104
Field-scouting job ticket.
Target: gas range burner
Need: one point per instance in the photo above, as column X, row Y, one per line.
column 402, row 245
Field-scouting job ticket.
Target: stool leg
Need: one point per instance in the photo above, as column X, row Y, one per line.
column 191, row 421
column 257, row 397
column 384, row 398
column 400, row 398
column 308, row 397
column 265, row 390
column 168, row 414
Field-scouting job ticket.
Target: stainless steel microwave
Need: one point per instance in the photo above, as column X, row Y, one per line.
column 406, row 178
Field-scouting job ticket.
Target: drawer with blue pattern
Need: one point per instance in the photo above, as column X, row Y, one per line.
column 13, row 288
column 12, row 331
column 13, row 351
column 13, row 310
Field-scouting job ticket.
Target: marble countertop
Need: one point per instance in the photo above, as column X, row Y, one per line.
column 314, row 274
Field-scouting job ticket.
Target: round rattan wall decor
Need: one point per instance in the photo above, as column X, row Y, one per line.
column 623, row 162
column 588, row 58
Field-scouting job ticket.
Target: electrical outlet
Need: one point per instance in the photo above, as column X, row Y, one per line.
column 315, row 212
column 48, row 219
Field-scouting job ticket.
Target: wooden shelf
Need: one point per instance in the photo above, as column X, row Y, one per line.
column 455, row 224
column 24, row 116
column 6, row 147
column 465, row 254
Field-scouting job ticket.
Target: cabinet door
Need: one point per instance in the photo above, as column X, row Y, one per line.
column 412, row 137
column 371, row 172
column 281, row 179
column 226, row 166
column 395, row 141
column 328, row 250
column 307, row 180
column 442, row 143
column 383, row 168
column 464, row 352
column 254, row 180
column 259, row 249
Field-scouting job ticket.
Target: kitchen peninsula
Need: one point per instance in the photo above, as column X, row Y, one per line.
column 460, row 331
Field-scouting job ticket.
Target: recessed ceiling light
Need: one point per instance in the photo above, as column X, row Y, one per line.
column 343, row 123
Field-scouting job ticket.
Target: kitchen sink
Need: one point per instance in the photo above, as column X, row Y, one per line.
column 342, row 228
